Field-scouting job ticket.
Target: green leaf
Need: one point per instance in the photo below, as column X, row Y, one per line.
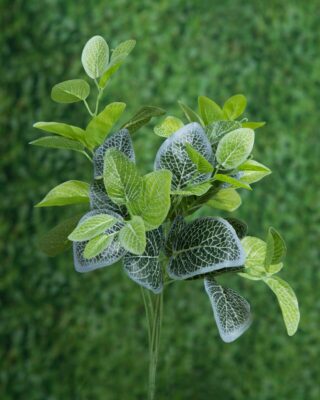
column 146, row 269
column 202, row 164
column 56, row 240
column 235, row 106
column 193, row 190
column 142, row 117
column 202, row 246
column 235, row 147
column 61, row 129
column 70, row 192
column 121, row 178
column 239, row 226
column 231, row 311
column 167, row 127
column 252, row 171
column 287, row 301
column 100, row 125
column 92, row 227
column 218, row 129
column 189, row 113
column 253, row 125
column 153, row 204
column 225, row 199
column 276, row 248
column 95, row 57
column 56, row 142
column 232, row 181
column 70, row 91
column 97, row 245
column 133, row 236
column 123, row 49
column 209, row 110
column 252, row 165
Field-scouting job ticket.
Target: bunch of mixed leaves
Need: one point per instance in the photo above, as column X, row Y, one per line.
column 146, row 221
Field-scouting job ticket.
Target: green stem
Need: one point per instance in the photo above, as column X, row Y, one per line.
column 88, row 108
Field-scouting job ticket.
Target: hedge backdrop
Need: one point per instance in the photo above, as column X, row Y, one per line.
column 70, row 336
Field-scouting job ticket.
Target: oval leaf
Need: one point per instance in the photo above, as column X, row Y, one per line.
column 56, row 142
column 59, row 128
column 70, row 91
column 99, row 199
column 92, row 227
column 218, row 129
column 96, row 245
column 235, row 106
column 209, row 110
column 70, row 192
column 95, row 57
column 167, row 127
column 190, row 114
column 133, row 236
column 142, row 117
column 225, row 199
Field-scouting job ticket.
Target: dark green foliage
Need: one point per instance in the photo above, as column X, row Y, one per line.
column 70, row 336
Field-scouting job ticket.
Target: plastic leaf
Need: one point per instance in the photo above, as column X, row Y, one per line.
column 142, row 117
column 167, row 127
column 96, row 245
column 235, row 106
column 209, row 110
column 287, row 301
column 146, row 268
column 172, row 155
column 232, row 181
column 239, row 226
column 202, row 246
column 70, row 91
column 202, row 164
column 57, row 142
column 253, row 125
column 218, row 129
column 123, row 49
column 189, row 113
column 92, row 227
column 276, row 248
column 133, row 236
column 59, row 128
column 70, row 192
column 252, row 165
column 225, row 199
column 194, row 190
column 95, row 57
column 231, row 311
column 99, row 199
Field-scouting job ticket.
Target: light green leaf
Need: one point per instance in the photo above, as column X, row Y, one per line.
column 97, row 245
column 288, row 302
column 190, row 114
column 202, row 164
column 123, row 49
column 100, row 125
column 57, row 142
column 225, row 199
column 133, row 236
column 253, row 125
column 153, row 203
column 252, row 171
column 252, row 165
column 95, row 57
column 61, row 129
column 167, row 127
column 92, row 227
column 195, row 190
column 121, row 178
column 209, row 110
column 232, row 181
column 276, row 248
column 235, row 106
column 253, row 176
column 70, row 91
column 235, row 147
column 218, row 129
column 142, row 117
column 56, row 240
column 70, row 192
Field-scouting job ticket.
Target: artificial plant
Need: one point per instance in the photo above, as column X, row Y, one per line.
column 148, row 221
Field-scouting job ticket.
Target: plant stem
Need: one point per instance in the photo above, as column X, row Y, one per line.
column 88, row 108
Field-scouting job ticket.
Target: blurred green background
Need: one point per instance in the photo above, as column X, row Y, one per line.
column 70, row 336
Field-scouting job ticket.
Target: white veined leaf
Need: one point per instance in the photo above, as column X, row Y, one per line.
column 97, row 245
column 202, row 246
column 111, row 254
column 226, row 199
column 232, row 181
column 154, row 202
column 209, row 110
column 172, row 155
column 70, row 91
column 61, row 129
column 253, row 125
column 145, row 269
column 231, row 311
column 202, row 164
column 92, row 227
column 168, row 126
column 99, row 199
column 235, row 106
column 190, row 114
column 57, row 142
column 239, row 226
column 121, row 178
column 100, row 126
column 216, row 130
column 195, row 190
column 121, row 141
column 70, row 192
column 235, row 147
column 142, row 117
column 288, row 302
column 95, row 57
column 276, row 248
column 133, row 236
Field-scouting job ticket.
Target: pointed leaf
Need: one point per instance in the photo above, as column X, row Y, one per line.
column 70, row 91
column 146, row 268
column 235, row 106
column 123, row 49
column 70, row 192
column 204, row 245
column 133, row 236
column 97, row 245
column 193, row 190
column 202, row 164
column 59, row 128
column 99, row 200
column 176, row 229
column 232, row 181
column 252, row 165
column 288, row 302
column 172, row 155
column 225, row 199
column 121, row 178
column 209, row 110
column 57, row 142
column 168, row 126
column 252, row 176
column 92, row 227
column 216, row 130
column 239, row 226
column 231, row 311
column 276, row 248
column 190, row 114
column 142, row 117
column 95, row 57
column 253, row 125
column 100, row 125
